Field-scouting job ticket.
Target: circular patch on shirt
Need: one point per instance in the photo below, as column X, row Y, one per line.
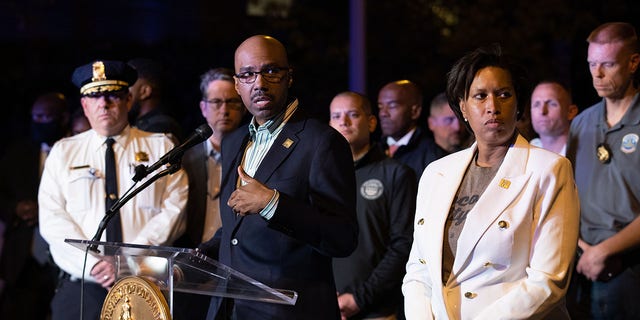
column 629, row 143
column 371, row 189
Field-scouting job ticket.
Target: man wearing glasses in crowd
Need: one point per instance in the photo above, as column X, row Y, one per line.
column 222, row 108
column 288, row 194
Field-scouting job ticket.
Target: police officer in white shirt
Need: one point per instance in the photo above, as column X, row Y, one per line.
column 72, row 192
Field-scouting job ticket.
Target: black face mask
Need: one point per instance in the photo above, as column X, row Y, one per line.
column 49, row 132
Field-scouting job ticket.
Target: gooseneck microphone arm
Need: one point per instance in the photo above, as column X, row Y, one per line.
column 175, row 155
column 173, row 158
column 116, row 206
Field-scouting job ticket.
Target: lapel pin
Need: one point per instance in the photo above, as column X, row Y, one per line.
column 287, row 143
column 504, row 183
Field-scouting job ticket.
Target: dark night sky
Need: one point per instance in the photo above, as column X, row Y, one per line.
column 42, row 41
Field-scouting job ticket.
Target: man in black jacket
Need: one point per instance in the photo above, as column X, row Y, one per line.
column 287, row 199
column 369, row 280
column 400, row 106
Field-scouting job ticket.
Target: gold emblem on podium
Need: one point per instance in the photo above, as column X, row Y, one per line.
column 135, row 298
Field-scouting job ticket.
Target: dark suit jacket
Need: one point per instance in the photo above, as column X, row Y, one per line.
column 315, row 219
column 419, row 152
column 194, row 163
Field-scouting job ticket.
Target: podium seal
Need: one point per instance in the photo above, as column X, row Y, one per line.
column 135, row 298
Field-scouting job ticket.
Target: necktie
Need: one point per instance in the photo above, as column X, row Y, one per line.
column 392, row 149
column 114, row 228
column 215, row 155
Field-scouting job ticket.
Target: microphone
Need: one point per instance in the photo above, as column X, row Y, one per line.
column 201, row 134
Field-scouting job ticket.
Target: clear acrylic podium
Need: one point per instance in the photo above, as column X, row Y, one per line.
column 183, row 270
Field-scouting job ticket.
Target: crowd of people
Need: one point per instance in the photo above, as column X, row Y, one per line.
column 463, row 216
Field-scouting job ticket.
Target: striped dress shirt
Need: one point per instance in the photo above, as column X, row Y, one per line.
column 262, row 138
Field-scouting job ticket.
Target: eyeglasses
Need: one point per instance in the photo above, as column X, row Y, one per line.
column 233, row 104
column 270, row 74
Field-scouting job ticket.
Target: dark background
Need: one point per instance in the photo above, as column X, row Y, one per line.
column 42, row 41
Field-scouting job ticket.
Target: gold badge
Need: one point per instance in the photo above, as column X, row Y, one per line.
column 603, row 154
column 287, row 143
column 142, row 156
column 135, row 298
column 98, row 72
column 504, row 183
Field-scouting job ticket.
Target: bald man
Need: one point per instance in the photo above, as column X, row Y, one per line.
column 399, row 109
column 287, row 202
column 443, row 123
column 369, row 279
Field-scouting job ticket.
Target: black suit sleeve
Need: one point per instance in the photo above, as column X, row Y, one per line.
column 211, row 247
column 327, row 219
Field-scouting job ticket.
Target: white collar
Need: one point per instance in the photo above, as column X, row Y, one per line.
column 403, row 141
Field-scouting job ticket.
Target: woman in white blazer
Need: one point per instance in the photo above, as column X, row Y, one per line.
column 496, row 225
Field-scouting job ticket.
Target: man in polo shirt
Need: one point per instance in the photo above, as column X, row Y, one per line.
column 603, row 147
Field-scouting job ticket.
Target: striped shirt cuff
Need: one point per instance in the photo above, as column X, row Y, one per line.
column 270, row 209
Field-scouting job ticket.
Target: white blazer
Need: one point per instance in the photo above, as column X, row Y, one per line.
column 515, row 252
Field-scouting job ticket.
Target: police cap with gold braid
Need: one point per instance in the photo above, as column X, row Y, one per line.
column 103, row 76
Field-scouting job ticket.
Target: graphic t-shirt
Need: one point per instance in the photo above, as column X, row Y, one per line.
column 475, row 181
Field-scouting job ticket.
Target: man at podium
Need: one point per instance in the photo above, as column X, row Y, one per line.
column 288, row 194
column 85, row 174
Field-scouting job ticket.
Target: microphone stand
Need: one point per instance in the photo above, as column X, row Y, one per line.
column 173, row 168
